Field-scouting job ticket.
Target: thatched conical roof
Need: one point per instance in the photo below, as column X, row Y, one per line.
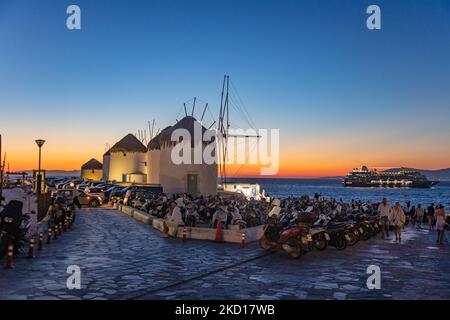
column 129, row 143
column 164, row 137
column 92, row 164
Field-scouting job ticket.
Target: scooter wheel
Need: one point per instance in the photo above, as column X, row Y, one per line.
column 295, row 251
column 264, row 243
column 340, row 244
column 320, row 243
column 365, row 235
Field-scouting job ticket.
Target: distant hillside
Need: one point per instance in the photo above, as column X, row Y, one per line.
column 59, row 173
column 441, row 174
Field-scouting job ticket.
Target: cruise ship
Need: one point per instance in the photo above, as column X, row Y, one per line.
column 403, row 178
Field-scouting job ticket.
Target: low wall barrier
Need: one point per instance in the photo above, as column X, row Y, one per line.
column 234, row 234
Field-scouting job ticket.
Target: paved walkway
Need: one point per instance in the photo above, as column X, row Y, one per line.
column 121, row 258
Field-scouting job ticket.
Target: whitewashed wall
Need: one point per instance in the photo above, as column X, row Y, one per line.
column 154, row 164
column 106, row 161
column 89, row 174
column 173, row 178
column 131, row 162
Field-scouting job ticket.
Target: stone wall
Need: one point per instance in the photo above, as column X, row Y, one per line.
column 229, row 235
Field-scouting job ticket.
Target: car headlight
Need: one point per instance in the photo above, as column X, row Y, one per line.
column 99, row 198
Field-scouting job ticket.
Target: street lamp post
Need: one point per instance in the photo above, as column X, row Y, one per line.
column 39, row 143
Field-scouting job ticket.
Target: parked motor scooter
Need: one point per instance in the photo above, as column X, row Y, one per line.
column 295, row 239
column 14, row 227
column 338, row 232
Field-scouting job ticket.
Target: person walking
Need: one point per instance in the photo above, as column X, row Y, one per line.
column 384, row 214
column 431, row 212
column 440, row 224
column 398, row 219
column 419, row 215
column 412, row 216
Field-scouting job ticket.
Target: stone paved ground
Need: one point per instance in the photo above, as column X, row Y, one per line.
column 124, row 259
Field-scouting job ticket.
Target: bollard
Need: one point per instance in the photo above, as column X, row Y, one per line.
column 184, row 234
column 41, row 240
column 49, row 234
column 60, row 228
column 65, row 225
column 242, row 240
column 219, row 236
column 55, row 233
column 31, row 249
column 9, row 258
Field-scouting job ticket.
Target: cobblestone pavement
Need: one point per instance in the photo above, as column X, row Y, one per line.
column 121, row 258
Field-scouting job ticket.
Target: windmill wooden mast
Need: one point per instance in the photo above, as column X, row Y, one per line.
column 223, row 128
column 224, row 125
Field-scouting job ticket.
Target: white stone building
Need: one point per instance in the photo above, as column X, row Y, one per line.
column 130, row 161
column 92, row 170
column 126, row 161
column 190, row 178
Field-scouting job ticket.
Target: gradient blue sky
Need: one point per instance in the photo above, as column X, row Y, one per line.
column 341, row 94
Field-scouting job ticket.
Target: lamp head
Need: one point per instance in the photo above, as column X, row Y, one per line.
column 40, row 142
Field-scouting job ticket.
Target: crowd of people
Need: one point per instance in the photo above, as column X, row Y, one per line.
column 205, row 211
column 397, row 216
column 202, row 211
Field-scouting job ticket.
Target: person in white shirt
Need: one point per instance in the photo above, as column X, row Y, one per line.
column 276, row 209
column 420, row 212
column 384, row 215
column 175, row 216
column 220, row 214
column 398, row 219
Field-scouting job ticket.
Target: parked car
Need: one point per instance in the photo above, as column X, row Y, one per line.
column 111, row 191
column 85, row 199
column 97, row 189
column 91, row 200
column 131, row 192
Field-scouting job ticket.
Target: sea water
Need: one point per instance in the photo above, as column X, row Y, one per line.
column 439, row 194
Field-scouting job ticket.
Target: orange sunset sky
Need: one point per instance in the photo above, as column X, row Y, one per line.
column 312, row 158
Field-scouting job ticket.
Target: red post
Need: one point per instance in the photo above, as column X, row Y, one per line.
column 49, row 236
column 242, row 240
column 9, row 258
column 55, row 234
column 219, row 236
column 31, row 249
column 184, row 234
column 41, row 240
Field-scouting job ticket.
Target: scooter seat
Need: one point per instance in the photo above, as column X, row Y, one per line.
column 336, row 225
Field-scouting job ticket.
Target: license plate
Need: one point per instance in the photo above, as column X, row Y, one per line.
column 347, row 237
column 361, row 230
column 327, row 236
